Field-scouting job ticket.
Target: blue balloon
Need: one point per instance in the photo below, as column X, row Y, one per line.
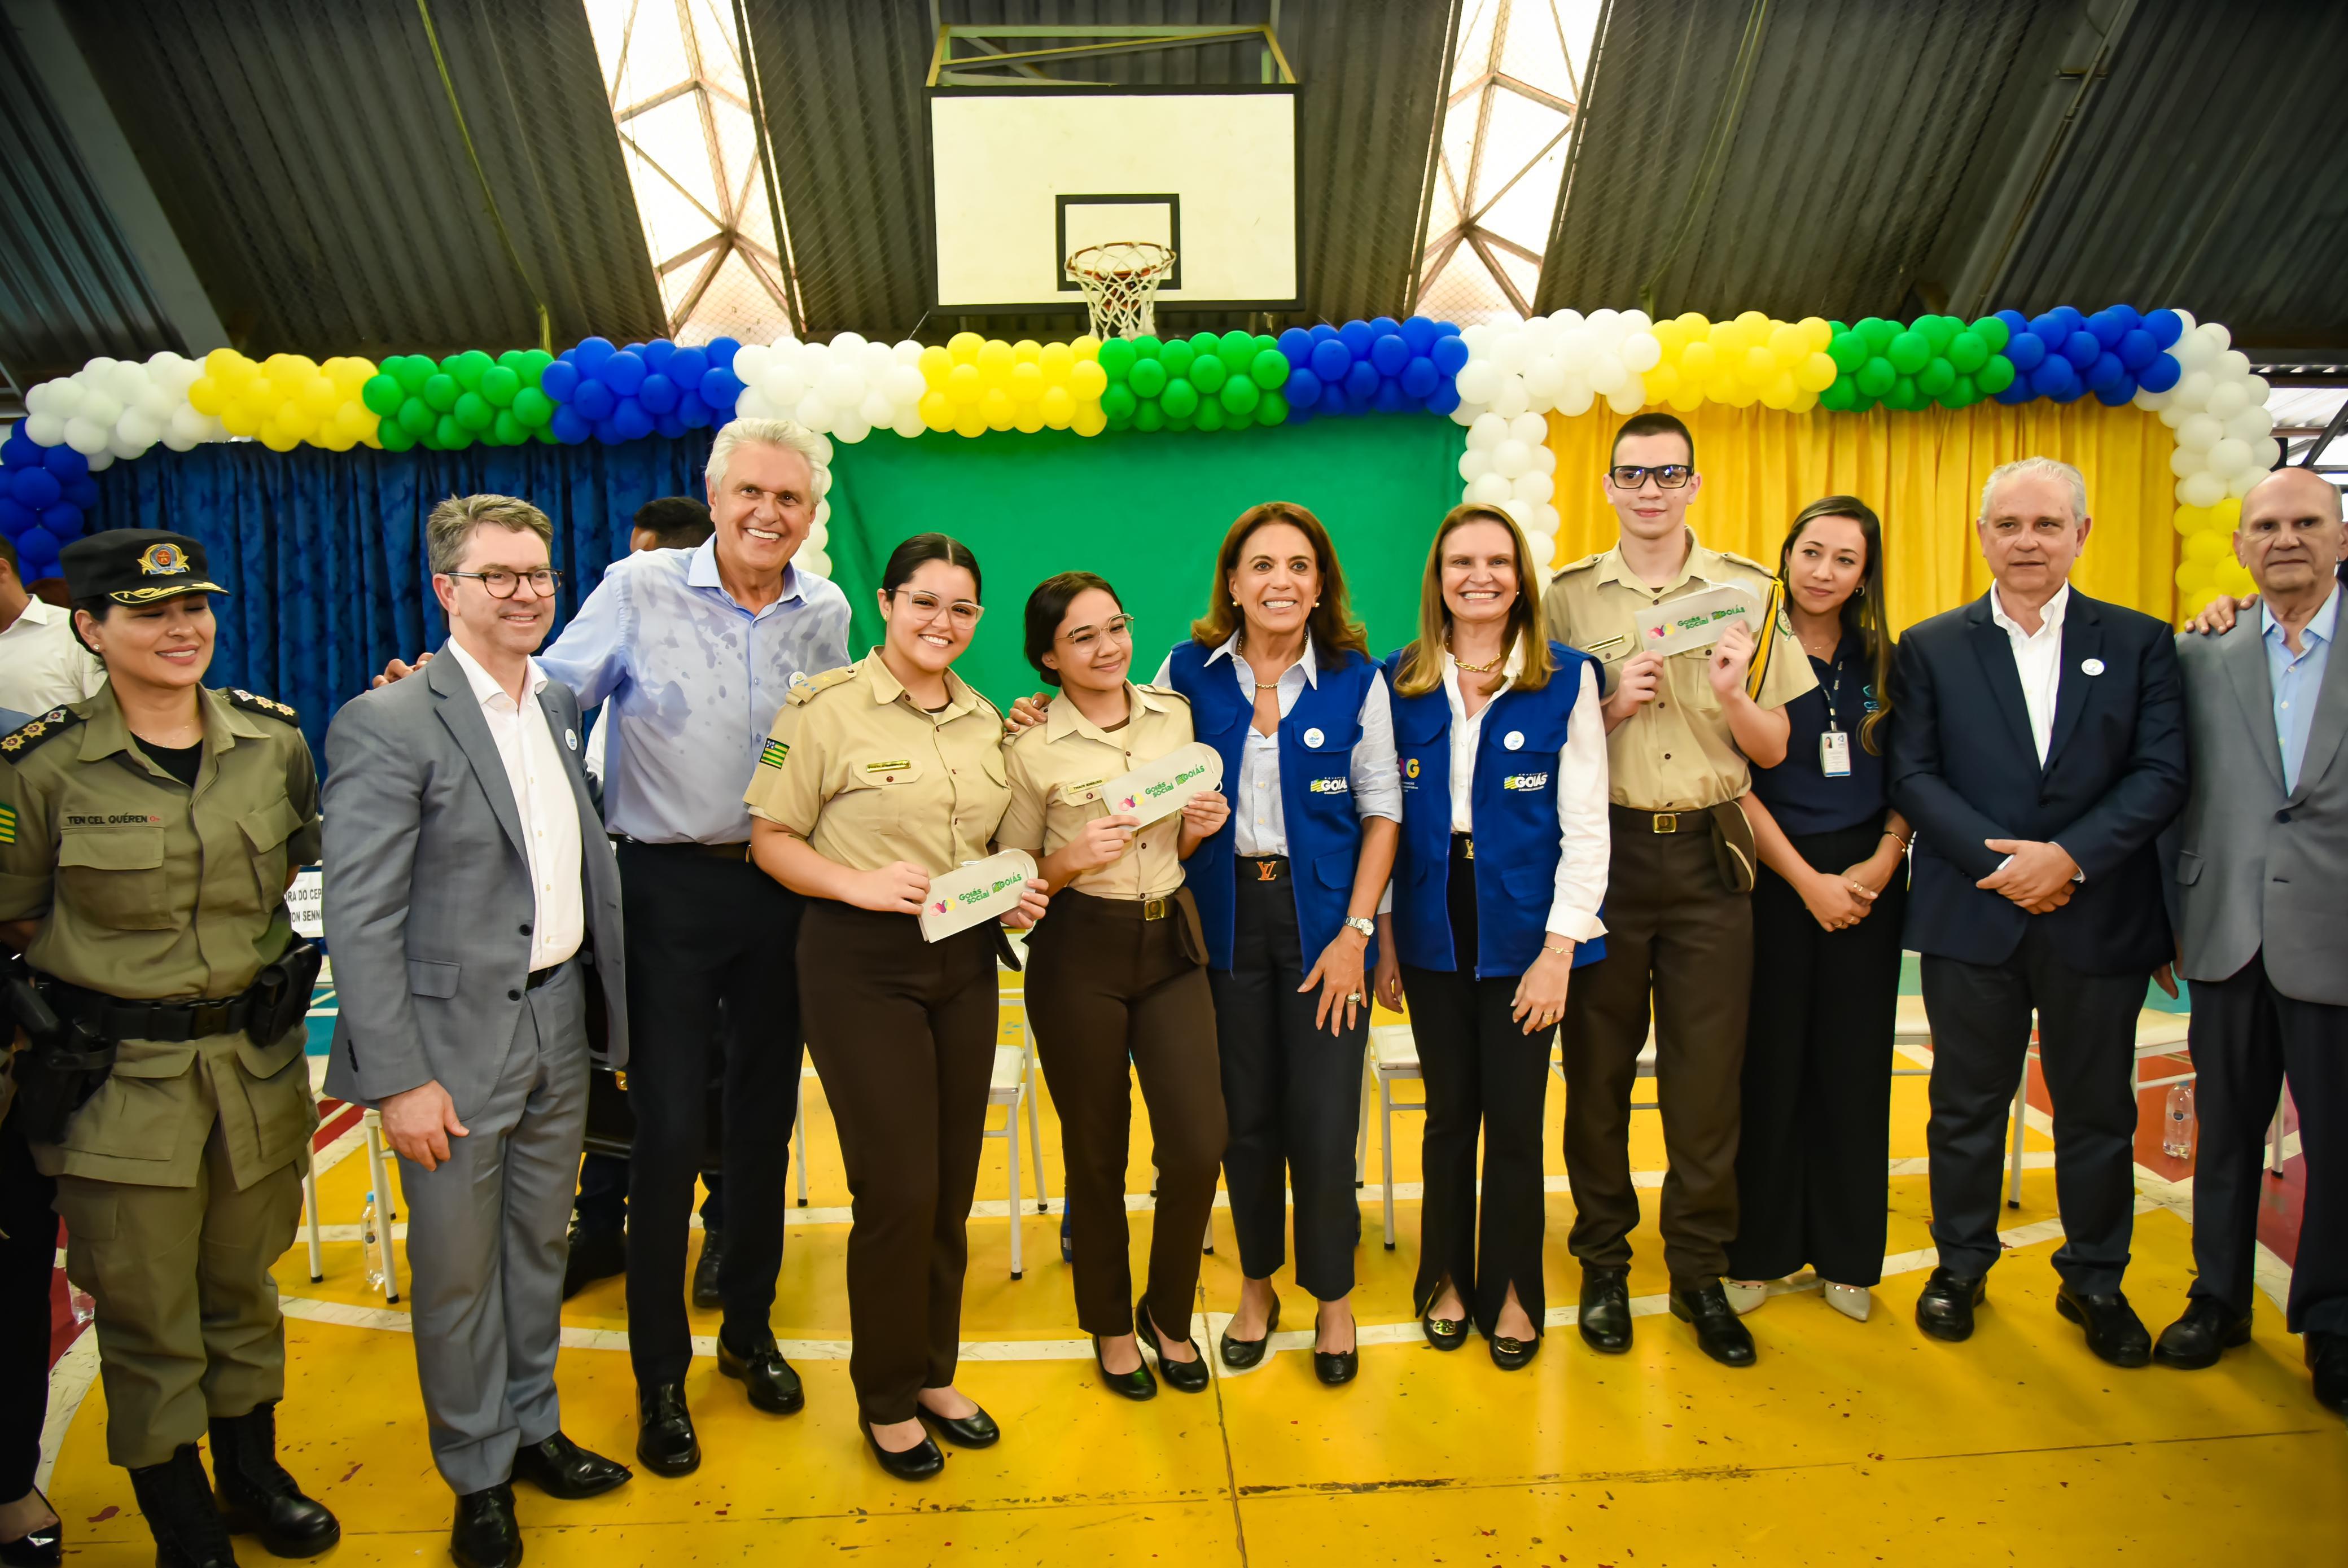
column 1421, row 334
column 2136, row 349
column 2107, row 328
column 1390, row 354
column 2126, row 315
column 2118, row 392
column 2107, row 372
column 1391, row 398
column 631, row 421
column 590, row 353
column 1420, row 378
column 656, row 353
column 595, row 400
column 569, row 424
column 1361, row 383
column 1332, row 359
column 560, row 381
column 719, row 387
column 1385, row 326
column 2054, row 377
column 1304, row 388
column 2027, row 350
column 2052, row 327
column 1450, row 354
column 669, row 425
column 2082, row 349
column 82, row 493
column 622, row 373
column 2016, row 391
column 2161, row 375
column 1323, row 331
column 14, row 517
column 18, row 451
column 1358, row 337
column 686, row 367
column 1442, row 399
column 721, row 351
column 1297, row 344
column 2165, row 326
column 63, row 520
column 2072, row 320
column 34, row 486
column 2016, row 324
column 608, row 433
column 64, row 462
column 658, row 394
column 694, row 412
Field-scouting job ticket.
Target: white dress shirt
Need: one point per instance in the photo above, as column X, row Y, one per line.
column 1585, row 841
column 41, row 664
column 2038, row 660
column 1259, row 819
column 549, row 813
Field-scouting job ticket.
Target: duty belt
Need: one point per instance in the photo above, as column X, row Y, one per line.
column 113, row 1018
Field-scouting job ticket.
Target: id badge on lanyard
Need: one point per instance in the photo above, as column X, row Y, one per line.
column 1834, row 754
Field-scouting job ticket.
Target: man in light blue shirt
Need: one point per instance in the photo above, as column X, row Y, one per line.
column 2296, row 675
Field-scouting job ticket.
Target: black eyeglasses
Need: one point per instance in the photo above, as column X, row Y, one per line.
column 1671, row 476
column 503, row 585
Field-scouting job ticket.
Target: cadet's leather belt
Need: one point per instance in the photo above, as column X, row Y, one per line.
column 113, row 1018
column 1263, row 868
column 738, row 851
column 1638, row 821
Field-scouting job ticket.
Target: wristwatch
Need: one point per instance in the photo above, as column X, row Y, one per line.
column 1363, row 923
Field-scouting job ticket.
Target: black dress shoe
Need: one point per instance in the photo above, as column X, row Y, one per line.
column 1188, row 1377
column 1239, row 1354
column 1337, row 1368
column 40, row 1548
column 773, row 1386
column 178, row 1503
column 2327, row 1358
column 975, row 1430
column 1443, row 1332
column 485, row 1534
column 1513, row 1354
column 1719, row 1332
column 705, row 1273
column 666, row 1443
column 1944, row 1307
column 920, row 1462
column 594, row 1254
column 2114, row 1330
column 1605, row 1316
column 2195, row 1340
column 560, row 1468
column 1135, row 1385
column 257, row 1496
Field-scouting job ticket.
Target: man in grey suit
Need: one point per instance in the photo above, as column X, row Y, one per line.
column 2262, row 883
column 472, row 906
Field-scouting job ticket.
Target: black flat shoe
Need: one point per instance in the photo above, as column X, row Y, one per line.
column 2196, row 1339
column 1239, row 1354
column 1513, row 1354
column 1719, row 1332
column 41, row 1548
column 594, row 1254
column 706, row 1295
column 1135, row 1385
column 975, row 1430
column 1944, row 1307
column 2327, row 1358
column 1605, row 1316
column 1443, row 1332
column 920, row 1462
column 1338, row 1367
column 485, row 1534
column 773, row 1386
column 666, row 1443
column 560, row 1468
column 2115, row 1332
column 1188, row 1377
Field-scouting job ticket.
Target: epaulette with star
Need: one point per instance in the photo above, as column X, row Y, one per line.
column 48, row 726
column 805, row 686
column 253, row 703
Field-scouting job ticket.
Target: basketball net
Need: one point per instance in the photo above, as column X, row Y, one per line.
column 1120, row 281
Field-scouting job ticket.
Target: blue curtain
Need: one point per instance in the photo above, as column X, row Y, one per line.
column 324, row 551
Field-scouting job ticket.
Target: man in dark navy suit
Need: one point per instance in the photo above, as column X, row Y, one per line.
column 2040, row 751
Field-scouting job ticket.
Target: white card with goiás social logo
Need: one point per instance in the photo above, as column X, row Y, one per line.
column 1167, row 785
column 975, row 890
column 1696, row 620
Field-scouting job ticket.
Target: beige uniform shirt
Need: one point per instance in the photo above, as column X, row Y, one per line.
column 1675, row 754
column 1058, row 770
column 866, row 776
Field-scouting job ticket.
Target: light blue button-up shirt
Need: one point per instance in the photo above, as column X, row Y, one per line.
column 2297, row 679
column 691, row 683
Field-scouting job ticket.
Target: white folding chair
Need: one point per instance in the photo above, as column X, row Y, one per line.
column 1646, row 1069
column 322, row 1005
column 1008, row 1089
column 2274, row 1134
column 386, row 1209
column 1394, row 1057
column 1032, row 1078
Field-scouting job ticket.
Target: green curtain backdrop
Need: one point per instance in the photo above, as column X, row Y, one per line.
column 1145, row 511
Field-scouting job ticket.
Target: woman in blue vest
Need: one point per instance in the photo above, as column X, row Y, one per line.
column 1496, row 903
column 1280, row 682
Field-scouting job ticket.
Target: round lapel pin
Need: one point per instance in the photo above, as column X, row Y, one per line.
column 1514, row 740
column 1313, row 737
column 2091, row 666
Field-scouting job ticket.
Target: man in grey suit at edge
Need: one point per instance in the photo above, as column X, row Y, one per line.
column 2260, row 884
column 471, row 901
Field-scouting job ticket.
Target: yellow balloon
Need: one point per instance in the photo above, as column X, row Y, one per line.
column 2207, row 546
column 996, row 406
column 1670, row 337
column 970, row 422
column 1688, row 397
column 963, row 384
column 2193, row 577
column 205, row 396
column 2226, row 515
column 1759, row 366
column 963, row 347
column 1752, row 324
column 242, row 417
column 336, row 440
column 1028, row 420
column 1789, row 342
column 1089, row 420
column 278, row 438
column 1057, row 360
column 223, row 362
column 1816, row 374
column 995, row 355
column 935, row 362
column 936, row 410
column 1056, row 407
column 1698, row 361
column 1085, row 347
column 319, row 397
column 1026, row 351
column 2190, row 519
column 1779, row 391
column 1695, row 324
column 1804, row 402
column 1088, row 379
column 1026, row 381
column 372, row 437
column 1662, row 383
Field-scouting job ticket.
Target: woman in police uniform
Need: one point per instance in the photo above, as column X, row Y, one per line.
column 1496, row 890
column 1118, row 971
column 1280, row 682
column 146, row 837
column 877, row 778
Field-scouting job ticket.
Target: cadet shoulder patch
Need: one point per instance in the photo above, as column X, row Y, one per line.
column 774, row 754
column 240, row 697
column 8, row 824
column 48, row 727
column 1167, row 691
column 1745, row 560
column 1584, row 564
column 805, row 687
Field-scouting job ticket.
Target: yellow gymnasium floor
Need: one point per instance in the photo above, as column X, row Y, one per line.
column 1849, row 1443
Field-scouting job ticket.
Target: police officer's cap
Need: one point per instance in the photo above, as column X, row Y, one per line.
column 135, row 566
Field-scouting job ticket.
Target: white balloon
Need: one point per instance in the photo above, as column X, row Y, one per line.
column 1575, row 401
column 1533, row 485
column 750, row 361
column 1487, row 432
column 2154, row 402
column 187, row 425
column 2215, row 334
column 2193, row 391
column 1642, row 352
column 842, row 384
column 2199, row 433
column 1544, row 379
column 2186, row 317
column 87, row 437
column 2231, row 365
column 1530, row 428
column 36, row 397
column 156, row 401
column 878, row 411
column 2258, row 386
column 1638, row 320
column 1478, row 339
column 1573, row 351
column 63, row 398
column 138, row 428
column 127, row 380
column 1545, row 517
column 752, row 405
column 2204, row 488
column 180, row 443
column 1544, row 460
column 875, row 362
column 818, row 537
column 1607, row 374
column 2173, row 413
column 1540, row 335
column 2239, row 484
column 1511, row 353
column 1466, row 413
column 1605, row 322
column 1540, row 548
column 1565, row 319
column 810, row 359
column 904, row 386
column 1511, row 399
column 123, row 446
column 813, row 412
column 1490, row 490
column 2185, row 463
column 100, row 408
column 2252, row 425
column 823, row 507
column 906, row 352
column 814, row 560
column 784, row 385
column 1477, row 380
column 909, row 423
column 2229, row 457
column 1628, row 402
column 2192, row 352
column 847, row 345
column 851, row 427
column 1510, row 458
column 1474, row 464
column 102, row 459
column 2265, row 453
column 45, row 430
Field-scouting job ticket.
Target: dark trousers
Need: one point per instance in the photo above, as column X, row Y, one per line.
column 1484, row 1074
column 1106, row 985
column 1674, row 934
column 603, row 1203
column 1293, row 1093
column 902, row 1032
column 2246, row 1037
column 28, row 1258
column 1980, row 1014
column 703, row 930
column 1817, row 1137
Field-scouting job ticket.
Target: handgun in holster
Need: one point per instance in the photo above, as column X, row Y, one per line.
column 61, row 1066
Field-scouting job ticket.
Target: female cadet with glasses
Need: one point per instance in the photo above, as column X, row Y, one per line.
column 1496, row 897
column 1826, row 912
column 878, row 777
column 1280, row 682
column 1118, row 971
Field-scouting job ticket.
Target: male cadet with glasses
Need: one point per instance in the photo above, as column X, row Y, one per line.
column 2040, row 751
column 1681, row 729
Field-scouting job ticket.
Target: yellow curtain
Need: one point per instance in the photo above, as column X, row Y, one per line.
column 1921, row 472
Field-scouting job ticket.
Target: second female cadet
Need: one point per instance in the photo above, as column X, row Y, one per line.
column 1280, row 682
column 1496, row 903
column 877, row 777
column 1118, row 971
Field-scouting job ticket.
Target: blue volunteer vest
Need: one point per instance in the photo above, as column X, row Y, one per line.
column 1514, row 797
column 1316, row 794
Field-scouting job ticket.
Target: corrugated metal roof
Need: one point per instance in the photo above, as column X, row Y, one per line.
column 308, row 160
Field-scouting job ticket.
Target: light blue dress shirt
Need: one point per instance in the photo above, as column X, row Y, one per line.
column 691, row 683
column 2298, row 679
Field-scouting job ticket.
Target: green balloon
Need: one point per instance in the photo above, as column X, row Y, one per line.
column 1150, row 417
column 1207, row 371
column 1997, row 375
column 1875, row 377
column 1240, row 395
column 411, row 371
column 1904, row 394
column 1938, row 331
column 1993, row 331
column 1211, row 414
column 452, row 436
column 430, row 441
column 1963, row 394
column 1272, row 409
column 441, row 392
column 533, row 365
column 1839, row 394
column 1206, row 344
column 1237, row 348
column 1879, row 334
column 382, row 395
column 507, row 431
column 1967, row 351
column 1935, row 379
column 1177, row 355
column 1847, row 350
column 1146, row 347
column 532, row 407
column 473, row 412
column 469, row 368
column 417, row 417
column 1116, row 359
column 511, row 359
column 1909, row 352
column 1269, row 368
column 394, row 435
column 545, row 436
column 1118, row 401
column 1148, row 377
column 1180, row 399
column 499, row 384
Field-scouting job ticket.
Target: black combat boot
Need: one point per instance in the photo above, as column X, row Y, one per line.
column 257, row 1497
column 188, row 1530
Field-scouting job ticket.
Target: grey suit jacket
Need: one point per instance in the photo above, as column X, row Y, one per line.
column 2259, row 867
column 427, row 895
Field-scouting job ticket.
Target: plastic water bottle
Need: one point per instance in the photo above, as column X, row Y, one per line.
column 2177, row 1131
column 374, row 1245
column 83, row 1304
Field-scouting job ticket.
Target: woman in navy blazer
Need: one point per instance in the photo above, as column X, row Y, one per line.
column 1503, row 757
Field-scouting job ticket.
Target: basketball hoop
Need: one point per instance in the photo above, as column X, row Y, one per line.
column 1120, row 281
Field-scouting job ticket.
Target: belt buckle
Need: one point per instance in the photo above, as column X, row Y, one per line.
column 1267, row 870
column 1667, row 821
column 1156, row 908
column 1471, row 846
column 207, row 1019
